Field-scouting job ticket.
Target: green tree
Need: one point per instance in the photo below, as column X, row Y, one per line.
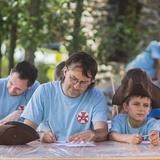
column 123, row 32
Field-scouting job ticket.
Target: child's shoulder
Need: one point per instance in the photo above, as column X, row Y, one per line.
column 151, row 119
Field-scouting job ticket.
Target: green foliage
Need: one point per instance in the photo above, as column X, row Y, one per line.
column 124, row 37
column 42, row 70
column 76, row 25
column 5, row 66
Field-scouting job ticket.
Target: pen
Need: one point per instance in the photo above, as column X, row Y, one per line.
column 145, row 136
column 51, row 130
column 50, row 126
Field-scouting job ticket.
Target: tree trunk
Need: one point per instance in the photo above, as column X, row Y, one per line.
column 77, row 26
column 12, row 45
column 125, row 14
column 0, row 58
column 29, row 54
column 34, row 11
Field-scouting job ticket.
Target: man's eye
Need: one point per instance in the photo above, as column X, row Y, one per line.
column 84, row 82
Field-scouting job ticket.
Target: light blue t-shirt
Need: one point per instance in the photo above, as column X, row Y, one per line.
column 146, row 59
column 8, row 103
column 120, row 125
column 66, row 115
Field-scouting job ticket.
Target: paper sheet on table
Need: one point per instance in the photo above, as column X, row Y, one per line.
column 71, row 144
column 145, row 142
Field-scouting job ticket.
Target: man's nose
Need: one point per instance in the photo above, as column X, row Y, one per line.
column 77, row 85
column 13, row 89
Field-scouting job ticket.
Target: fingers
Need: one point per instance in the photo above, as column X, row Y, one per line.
column 85, row 136
column 49, row 137
column 137, row 139
column 154, row 138
column 2, row 122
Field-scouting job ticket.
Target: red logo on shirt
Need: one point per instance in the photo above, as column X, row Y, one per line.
column 83, row 117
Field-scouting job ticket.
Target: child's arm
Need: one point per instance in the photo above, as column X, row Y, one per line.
column 128, row 138
column 154, row 138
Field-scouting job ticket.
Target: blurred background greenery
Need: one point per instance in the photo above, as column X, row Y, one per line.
column 46, row 32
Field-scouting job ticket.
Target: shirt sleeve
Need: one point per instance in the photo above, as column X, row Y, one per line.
column 34, row 109
column 155, row 49
column 117, row 122
column 153, row 125
column 100, row 107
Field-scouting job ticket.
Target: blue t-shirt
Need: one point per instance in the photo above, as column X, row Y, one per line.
column 8, row 103
column 146, row 59
column 155, row 113
column 120, row 125
column 66, row 115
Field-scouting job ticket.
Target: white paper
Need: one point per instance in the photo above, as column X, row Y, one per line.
column 145, row 142
column 71, row 144
column 60, row 143
column 81, row 144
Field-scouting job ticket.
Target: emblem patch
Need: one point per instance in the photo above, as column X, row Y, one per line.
column 83, row 117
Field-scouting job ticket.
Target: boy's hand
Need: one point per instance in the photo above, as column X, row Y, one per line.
column 135, row 138
column 154, row 138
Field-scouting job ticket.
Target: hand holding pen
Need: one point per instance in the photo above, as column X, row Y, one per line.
column 153, row 137
column 55, row 136
column 49, row 136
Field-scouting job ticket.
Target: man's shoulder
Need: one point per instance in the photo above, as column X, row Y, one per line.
column 95, row 90
column 36, row 84
column 3, row 82
column 153, row 44
column 49, row 86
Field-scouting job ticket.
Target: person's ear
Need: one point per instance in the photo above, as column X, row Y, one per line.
column 125, row 107
column 65, row 69
column 11, row 71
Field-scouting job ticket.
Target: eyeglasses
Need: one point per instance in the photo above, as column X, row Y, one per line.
column 83, row 84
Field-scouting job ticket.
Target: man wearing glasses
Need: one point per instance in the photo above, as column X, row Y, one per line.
column 70, row 109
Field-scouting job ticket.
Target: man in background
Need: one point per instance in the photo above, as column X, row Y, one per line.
column 149, row 60
column 58, row 71
column 16, row 91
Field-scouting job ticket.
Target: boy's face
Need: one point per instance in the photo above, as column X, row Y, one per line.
column 138, row 108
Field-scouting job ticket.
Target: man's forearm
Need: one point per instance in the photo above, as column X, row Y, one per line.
column 100, row 135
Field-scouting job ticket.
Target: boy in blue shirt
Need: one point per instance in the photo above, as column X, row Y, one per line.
column 137, row 95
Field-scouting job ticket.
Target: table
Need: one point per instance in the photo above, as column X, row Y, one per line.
column 107, row 150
